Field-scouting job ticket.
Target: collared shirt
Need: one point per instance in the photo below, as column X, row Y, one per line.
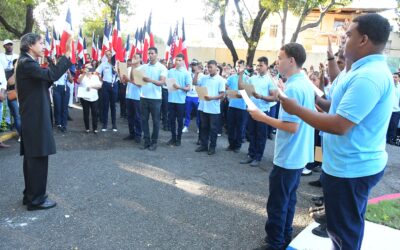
column 295, row 150
column 155, row 72
column 365, row 97
column 7, row 61
column 105, row 69
column 233, row 84
column 3, row 80
column 215, row 84
column 183, row 79
column 338, row 78
column 62, row 81
column 133, row 92
column 262, row 85
column 192, row 92
column 92, row 94
column 396, row 101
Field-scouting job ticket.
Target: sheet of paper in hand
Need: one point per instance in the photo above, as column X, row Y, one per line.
column 201, row 92
column 250, row 90
column 275, row 83
column 170, row 84
column 317, row 91
column 138, row 77
column 250, row 104
column 232, row 94
column 123, row 69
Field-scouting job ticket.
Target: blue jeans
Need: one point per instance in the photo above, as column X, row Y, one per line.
column 281, row 205
column 345, row 205
column 257, row 132
column 60, row 100
column 134, row 117
column 190, row 104
column 235, row 120
column 14, row 110
column 110, row 93
column 176, row 112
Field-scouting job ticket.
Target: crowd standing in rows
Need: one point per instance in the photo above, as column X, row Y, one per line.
column 357, row 115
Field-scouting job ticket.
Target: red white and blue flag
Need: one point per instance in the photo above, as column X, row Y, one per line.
column 184, row 48
column 67, row 32
column 47, row 44
column 79, row 47
column 117, row 38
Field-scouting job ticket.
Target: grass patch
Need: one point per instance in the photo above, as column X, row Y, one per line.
column 385, row 213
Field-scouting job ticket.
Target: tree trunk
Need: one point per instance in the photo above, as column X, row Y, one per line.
column 225, row 37
column 284, row 18
column 29, row 20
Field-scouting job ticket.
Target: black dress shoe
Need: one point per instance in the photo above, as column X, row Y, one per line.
column 247, row 161
column 229, row 148
column 178, row 143
column 171, row 142
column 153, row 147
column 321, row 231
column 316, row 183
column 137, row 140
column 47, row 204
column 25, row 200
column 236, row 150
column 211, row 151
column 201, row 149
column 255, row 163
column 144, row 146
column 128, row 138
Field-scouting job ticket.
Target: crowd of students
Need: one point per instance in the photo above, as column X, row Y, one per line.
column 357, row 115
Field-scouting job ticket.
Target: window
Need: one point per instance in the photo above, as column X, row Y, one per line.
column 339, row 24
column 273, row 30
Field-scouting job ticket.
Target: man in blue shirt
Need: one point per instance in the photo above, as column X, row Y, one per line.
column 133, row 92
column 210, row 116
column 60, row 101
column 176, row 99
column 109, row 91
column 264, row 93
column 236, row 113
column 354, row 136
column 294, row 148
column 150, row 102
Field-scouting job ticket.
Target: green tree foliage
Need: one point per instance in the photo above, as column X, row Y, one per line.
column 16, row 17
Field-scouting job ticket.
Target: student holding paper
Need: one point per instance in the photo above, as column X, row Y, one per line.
column 294, row 148
column 355, row 128
column 176, row 99
column 210, row 117
column 265, row 92
column 150, row 102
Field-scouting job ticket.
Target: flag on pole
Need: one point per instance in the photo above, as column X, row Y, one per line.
column 127, row 49
column 79, row 47
column 106, row 44
column 134, row 45
column 168, row 47
column 67, row 32
column 174, row 44
column 139, row 47
column 184, row 48
column 151, row 37
column 94, row 49
column 145, row 43
column 85, row 52
column 73, row 54
column 98, row 48
column 47, row 47
column 117, row 39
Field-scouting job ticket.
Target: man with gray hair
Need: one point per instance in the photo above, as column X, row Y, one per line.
column 37, row 141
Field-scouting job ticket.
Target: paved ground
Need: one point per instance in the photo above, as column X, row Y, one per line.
column 112, row 195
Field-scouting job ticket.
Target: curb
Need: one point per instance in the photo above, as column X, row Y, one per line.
column 7, row 136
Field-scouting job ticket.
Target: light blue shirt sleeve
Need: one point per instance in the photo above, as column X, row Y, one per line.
column 354, row 106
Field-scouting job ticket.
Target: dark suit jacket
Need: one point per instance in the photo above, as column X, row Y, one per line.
column 33, row 84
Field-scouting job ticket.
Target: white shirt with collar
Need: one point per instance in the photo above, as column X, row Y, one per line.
column 3, row 80
column 7, row 61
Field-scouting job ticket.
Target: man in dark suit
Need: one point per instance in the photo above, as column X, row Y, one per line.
column 37, row 141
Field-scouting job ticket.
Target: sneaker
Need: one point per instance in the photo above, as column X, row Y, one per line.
column 19, row 139
column 198, row 131
column 153, row 147
column 95, row 131
column 114, row 129
column 306, row 172
column 185, row 129
column 104, row 129
column 87, row 131
column 219, row 135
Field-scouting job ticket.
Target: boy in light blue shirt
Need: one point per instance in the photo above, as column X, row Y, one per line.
column 354, row 130
column 294, row 148
column 176, row 99
column 210, row 108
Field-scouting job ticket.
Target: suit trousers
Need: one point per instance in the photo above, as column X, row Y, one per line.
column 35, row 176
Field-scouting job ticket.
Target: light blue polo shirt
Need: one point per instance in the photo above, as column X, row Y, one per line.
column 262, row 85
column 62, row 81
column 214, row 84
column 155, row 71
column 183, row 79
column 365, row 97
column 294, row 151
column 106, row 72
column 233, row 84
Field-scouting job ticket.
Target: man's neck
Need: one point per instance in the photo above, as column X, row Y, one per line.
column 9, row 52
column 292, row 72
column 212, row 75
column 262, row 73
column 153, row 62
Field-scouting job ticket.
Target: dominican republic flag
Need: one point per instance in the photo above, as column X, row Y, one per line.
column 67, row 32
column 47, row 44
column 85, row 52
column 127, row 49
column 106, row 44
column 117, row 39
column 95, row 56
column 150, row 33
column 79, row 47
column 184, row 48
column 145, row 39
column 98, row 47
column 168, row 47
column 134, row 45
column 174, row 44
column 139, row 47
column 55, row 44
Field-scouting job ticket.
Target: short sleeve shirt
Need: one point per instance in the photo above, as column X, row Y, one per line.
column 154, row 72
column 215, row 84
column 262, row 85
column 183, row 79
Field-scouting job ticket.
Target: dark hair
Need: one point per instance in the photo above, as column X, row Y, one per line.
column 212, row 62
column 220, row 69
column 263, row 59
column 375, row 26
column 181, row 56
column 241, row 61
column 139, row 54
column 397, row 73
column 296, row 51
column 153, row 49
column 129, row 60
column 28, row 40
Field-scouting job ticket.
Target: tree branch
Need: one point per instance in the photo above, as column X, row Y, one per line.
column 29, row 20
column 225, row 37
column 241, row 25
column 9, row 28
column 321, row 16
